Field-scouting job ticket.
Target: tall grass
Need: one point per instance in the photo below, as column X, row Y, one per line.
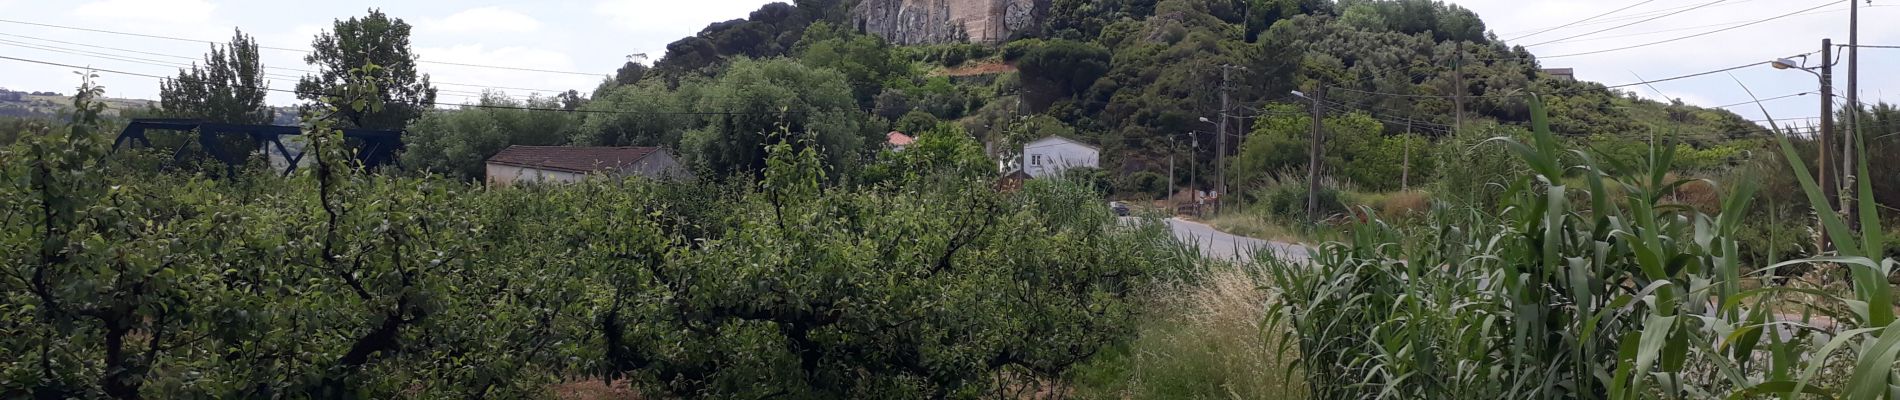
column 1202, row 342
column 1585, row 283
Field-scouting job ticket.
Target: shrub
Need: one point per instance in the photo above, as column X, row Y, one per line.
column 1287, row 201
column 1407, row 204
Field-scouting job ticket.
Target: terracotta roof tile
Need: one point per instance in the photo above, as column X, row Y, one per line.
column 899, row 139
column 572, row 159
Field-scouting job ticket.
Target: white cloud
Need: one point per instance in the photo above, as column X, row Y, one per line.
column 514, row 57
column 485, row 19
column 646, row 16
column 172, row 11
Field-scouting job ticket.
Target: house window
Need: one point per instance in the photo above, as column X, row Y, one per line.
column 1035, row 160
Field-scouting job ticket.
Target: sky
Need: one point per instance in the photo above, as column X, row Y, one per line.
column 588, row 39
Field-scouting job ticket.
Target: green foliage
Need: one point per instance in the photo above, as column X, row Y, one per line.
column 866, row 60
column 1065, row 68
column 916, row 121
column 337, row 283
column 1440, row 20
column 943, row 151
column 1356, row 150
column 1655, row 301
column 645, row 114
column 768, row 96
column 773, row 30
column 374, row 39
column 1285, row 200
column 1092, row 178
column 229, row 87
column 458, row 143
column 1476, row 174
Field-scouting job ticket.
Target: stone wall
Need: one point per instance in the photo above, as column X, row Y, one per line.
column 948, row 21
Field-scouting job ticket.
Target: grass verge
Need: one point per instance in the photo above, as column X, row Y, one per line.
column 1204, row 341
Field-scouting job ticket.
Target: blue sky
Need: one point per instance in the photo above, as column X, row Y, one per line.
column 596, row 36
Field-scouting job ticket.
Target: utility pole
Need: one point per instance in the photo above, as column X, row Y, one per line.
column 1852, row 136
column 1220, row 139
column 1313, row 162
column 1458, row 95
column 1405, row 174
column 1172, row 148
column 1827, row 131
column 1194, row 184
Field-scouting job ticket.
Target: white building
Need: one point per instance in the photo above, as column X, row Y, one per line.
column 556, row 164
column 1052, row 155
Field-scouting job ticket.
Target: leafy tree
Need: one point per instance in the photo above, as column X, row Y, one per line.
column 378, row 40
column 916, row 122
column 942, row 151
column 645, row 114
column 1356, row 150
column 1064, row 68
column 229, row 88
column 630, row 73
column 866, row 60
column 458, row 143
column 757, row 99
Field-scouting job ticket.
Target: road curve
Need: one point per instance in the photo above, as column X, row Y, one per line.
column 1222, row 245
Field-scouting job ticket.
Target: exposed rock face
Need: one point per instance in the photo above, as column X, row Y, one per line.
column 948, row 21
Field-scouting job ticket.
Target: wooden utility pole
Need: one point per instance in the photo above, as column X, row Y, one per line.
column 1827, row 132
column 1405, row 174
column 1848, row 150
column 1458, row 93
column 1220, row 142
column 1313, row 162
column 1220, row 150
column 1194, row 183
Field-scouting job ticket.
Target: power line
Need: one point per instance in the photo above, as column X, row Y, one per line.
column 1764, row 100
column 1582, row 20
column 433, row 104
column 180, row 65
column 284, row 48
column 1697, row 35
column 1698, row 74
column 167, row 64
column 1632, row 23
column 1730, row 23
column 1644, row 14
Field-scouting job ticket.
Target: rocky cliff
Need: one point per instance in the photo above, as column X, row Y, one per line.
column 948, row 21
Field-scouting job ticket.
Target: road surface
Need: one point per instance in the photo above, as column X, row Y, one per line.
column 1221, row 245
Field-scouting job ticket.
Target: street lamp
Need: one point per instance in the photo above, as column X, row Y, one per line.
column 1826, row 76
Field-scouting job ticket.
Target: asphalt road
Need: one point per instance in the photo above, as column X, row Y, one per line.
column 1221, row 245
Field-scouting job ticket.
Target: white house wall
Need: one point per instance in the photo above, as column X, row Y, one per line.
column 506, row 175
column 1057, row 156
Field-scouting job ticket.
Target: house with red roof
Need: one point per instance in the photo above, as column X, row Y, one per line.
column 898, row 140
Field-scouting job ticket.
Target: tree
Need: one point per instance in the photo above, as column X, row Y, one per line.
column 630, row 73
column 1356, row 150
column 229, row 87
column 756, row 99
column 645, row 114
column 458, row 143
column 864, row 59
column 1065, row 67
column 378, row 40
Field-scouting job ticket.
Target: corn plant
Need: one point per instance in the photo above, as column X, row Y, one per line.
column 1602, row 291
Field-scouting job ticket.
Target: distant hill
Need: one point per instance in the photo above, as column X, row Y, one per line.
column 50, row 104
